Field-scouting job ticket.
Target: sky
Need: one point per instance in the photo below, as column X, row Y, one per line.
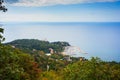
column 61, row 11
column 96, row 39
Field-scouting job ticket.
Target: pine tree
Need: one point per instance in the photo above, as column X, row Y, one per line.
column 2, row 7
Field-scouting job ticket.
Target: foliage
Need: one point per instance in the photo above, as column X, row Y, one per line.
column 30, row 45
column 94, row 69
column 16, row 65
column 55, row 61
column 1, row 37
column 50, row 75
column 2, row 7
column 9, row 69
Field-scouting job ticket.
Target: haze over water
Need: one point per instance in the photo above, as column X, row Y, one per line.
column 97, row 39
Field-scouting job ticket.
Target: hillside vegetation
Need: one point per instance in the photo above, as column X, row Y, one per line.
column 16, row 63
column 30, row 45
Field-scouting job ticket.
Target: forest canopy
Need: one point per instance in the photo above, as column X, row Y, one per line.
column 34, row 44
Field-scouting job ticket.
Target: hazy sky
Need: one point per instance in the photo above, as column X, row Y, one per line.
column 62, row 11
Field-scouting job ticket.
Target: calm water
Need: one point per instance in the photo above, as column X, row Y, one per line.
column 97, row 39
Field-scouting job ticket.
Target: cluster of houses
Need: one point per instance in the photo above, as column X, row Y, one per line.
column 67, row 58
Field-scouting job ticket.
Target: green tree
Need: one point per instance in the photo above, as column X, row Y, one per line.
column 1, row 36
column 50, row 75
column 16, row 65
column 32, row 72
column 32, row 45
column 9, row 67
column 93, row 69
column 3, row 8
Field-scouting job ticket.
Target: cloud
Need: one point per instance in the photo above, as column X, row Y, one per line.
column 52, row 2
column 11, row 1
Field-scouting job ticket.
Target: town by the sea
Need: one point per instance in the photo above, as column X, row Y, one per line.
column 97, row 39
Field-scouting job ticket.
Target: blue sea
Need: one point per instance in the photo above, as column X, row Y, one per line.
column 98, row 39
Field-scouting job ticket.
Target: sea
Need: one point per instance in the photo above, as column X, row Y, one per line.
column 97, row 39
